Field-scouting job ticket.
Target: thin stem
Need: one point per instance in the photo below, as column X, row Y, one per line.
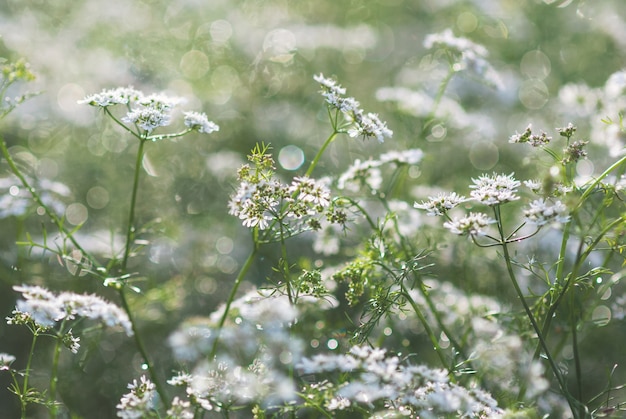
column 595, row 183
column 55, row 219
column 142, row 350
column 27, row 373
column 579, row 378
column 242, row 273
column 580, row 258
column 529, row 313
column 443, row 86
column 130, row 233
column 406, row 248
column 428, row 329
column 320, row 152
column 286, row 272
column 54, row 376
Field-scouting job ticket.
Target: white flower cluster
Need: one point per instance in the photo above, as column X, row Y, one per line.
column 473, row 224
column 45, row 309
column 440, row 204
column 470, row 56
column 139, row 401
column 369, row 172
column 149, row 112
column 258, row 326
column 365, row 125
column 258, row 204
column 5, row 361
column 541, row 212
column 213, row 385
column 369, row 376
column 495, row 190
column 535, row 140
column 500, row 357
column 199, row 121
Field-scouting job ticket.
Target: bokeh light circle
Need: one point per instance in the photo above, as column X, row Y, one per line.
column 291, row 157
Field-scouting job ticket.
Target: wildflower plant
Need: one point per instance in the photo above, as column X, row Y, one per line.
column 341, row 297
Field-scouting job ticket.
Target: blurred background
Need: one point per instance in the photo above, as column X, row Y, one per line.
column 249, row 64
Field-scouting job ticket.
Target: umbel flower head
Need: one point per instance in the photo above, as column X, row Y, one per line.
column 495, row 189
column 542, row 212
column 440, row 204
column 149, row 112
column 361, row 124
column 473, row 224
column 45, row 309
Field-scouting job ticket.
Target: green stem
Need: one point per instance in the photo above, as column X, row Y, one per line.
column 287, row 274
column 429, row 331
column 54, row 376
column 530, row 315
column 595, row 183
column 443, row 86
column 406, row 248
column 27, row 374
column 320, row 152
column 130, row 233
column 242, row 273
column 577, row 366
column 55, row 219
column 580, row 259
column 142, row 350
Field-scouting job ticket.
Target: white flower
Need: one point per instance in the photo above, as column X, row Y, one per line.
column 181, row 409
column 369, row 125
column 535, row 140
column 138, row 402
column 473, row 224
column 470, row 55
column 441, row 204
column 148, row 118
column 541, row 212
column 446, row 39
column 359, row 172
column 363, row 125
column 71, row 342
column 45, row 308
column 200, row 122
column 533, row 185
column 160, row 101
column 329, row 85
column 5, row 361
column 495, row 189
column 310, row 191
column 411, row 156
column 119, row 96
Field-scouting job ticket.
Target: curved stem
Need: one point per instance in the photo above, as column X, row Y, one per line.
column 580, row 259
column 242, row 273
column 55, row 219
column 130, row 233
column 142, row 350
column 595, row 183
column 429, row 331
column 443, row 86
column 530, row 315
